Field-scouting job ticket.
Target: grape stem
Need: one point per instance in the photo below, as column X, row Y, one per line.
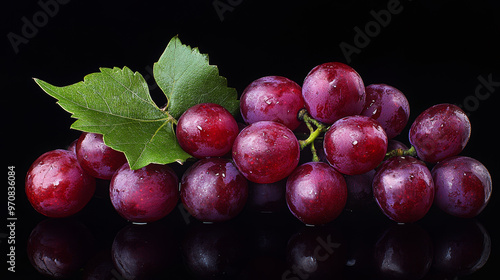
column 401, row 152
column 314, row 133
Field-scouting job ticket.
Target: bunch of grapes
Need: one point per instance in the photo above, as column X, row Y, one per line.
column 345, row 128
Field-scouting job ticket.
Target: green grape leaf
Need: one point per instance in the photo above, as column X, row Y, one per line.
column 187, row 79
column 116, row 103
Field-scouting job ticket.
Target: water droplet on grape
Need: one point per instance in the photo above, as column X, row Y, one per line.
column 354, row 143
column 199, row 128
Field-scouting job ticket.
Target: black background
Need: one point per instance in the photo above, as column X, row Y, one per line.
column 433, row 51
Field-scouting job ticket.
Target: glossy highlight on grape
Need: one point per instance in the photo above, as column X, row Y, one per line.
column 213, row 190
column 146, row 194
column 206, row 130
column 272, row 98
column 355, row 145
column 56, row 185
column 388, row 106
column 404, row 189
column 332, row 91
column 440, row 132
column 316, row 193
column 266, row 152
column 463, row 186
column 97, row 158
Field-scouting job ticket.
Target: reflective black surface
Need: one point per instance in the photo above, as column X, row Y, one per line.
column 259, row 246
column 433, row 51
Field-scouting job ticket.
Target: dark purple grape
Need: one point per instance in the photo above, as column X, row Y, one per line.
column 56, row 185
column 316, row 193
column 463, row 186
column 213, row 190
column 395, row 145
column 440, row 132
column 332, row 91
column 355, row 145
column 359, row 190
column 96, row 158
column 144, row 195
column 272, row 98
column 266, row 152
column 388, row 106
column 206, row 130
column 267, row 198
column 403, row 188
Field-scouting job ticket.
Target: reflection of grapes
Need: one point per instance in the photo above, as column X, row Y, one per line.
column 57, row 186
column 463, row 186
column 58, row 248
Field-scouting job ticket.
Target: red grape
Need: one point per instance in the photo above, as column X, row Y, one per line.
column 56, row 185
column 266, row 152
column 440, row 132
column 388, row 106
column 96, row 158
column 144, row 195
column 272, row 98
column 316, row 193
column 206, row 130
column 333, row 90
column 463, row 186
column 355, row 145
column 403, row 188
column 213, row 190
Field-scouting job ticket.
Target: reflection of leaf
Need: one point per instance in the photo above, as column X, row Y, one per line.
column 187, row 79
column 116, row 103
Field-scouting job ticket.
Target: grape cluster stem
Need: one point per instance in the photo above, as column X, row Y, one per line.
column 314, row 133
column 401, row 152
